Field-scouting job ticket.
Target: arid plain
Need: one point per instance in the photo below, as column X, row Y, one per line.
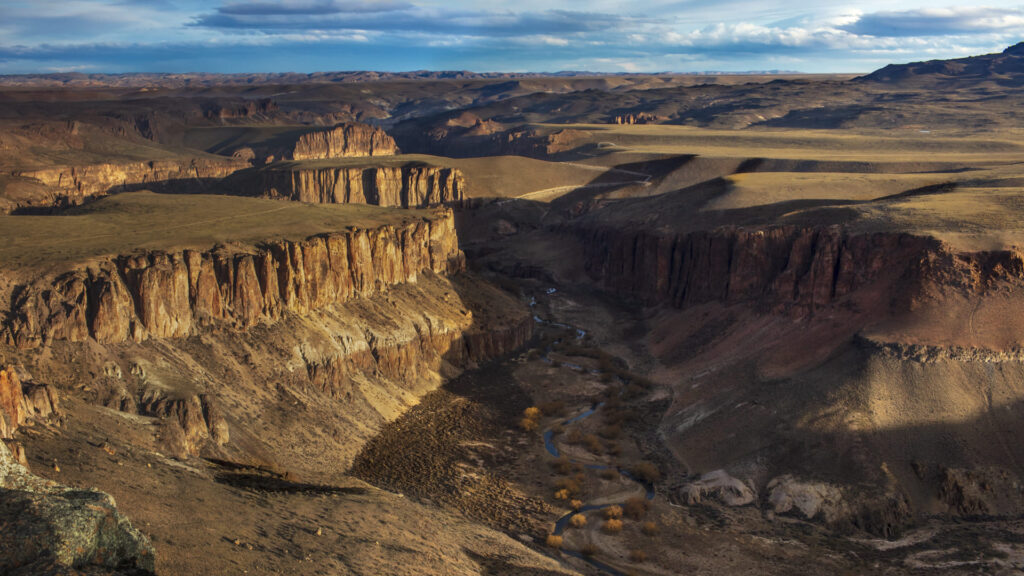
column 521, row 324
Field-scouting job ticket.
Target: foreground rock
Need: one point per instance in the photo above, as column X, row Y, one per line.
column 49, row 528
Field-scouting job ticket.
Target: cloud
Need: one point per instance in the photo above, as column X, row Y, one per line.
column 400, row 18
column 316, row 8
column 937, row 22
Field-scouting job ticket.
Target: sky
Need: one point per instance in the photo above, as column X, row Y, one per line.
column 238, row 36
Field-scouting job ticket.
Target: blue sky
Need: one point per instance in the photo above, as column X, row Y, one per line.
column 526, row 35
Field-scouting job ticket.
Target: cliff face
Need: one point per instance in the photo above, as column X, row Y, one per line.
column 343, row 141
column 777, row 266
column 75, row 184
column 405, row 186
column 170, row 295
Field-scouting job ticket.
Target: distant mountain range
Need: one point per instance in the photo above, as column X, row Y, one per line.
column 157, row 80
column 1004, row 69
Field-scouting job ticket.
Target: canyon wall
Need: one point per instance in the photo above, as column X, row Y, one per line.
column 782, row 265
column 344, row 141
column 404, row 186
column 170, row 295
column 73, row 185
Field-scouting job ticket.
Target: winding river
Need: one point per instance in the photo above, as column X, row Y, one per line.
column 549, row 445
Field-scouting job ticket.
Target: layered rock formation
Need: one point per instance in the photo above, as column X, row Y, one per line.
column 783, row 265
column 21, row 401
column 171, row 295
column 404, row 186
column 73, row 185
column 344, row 141
column 54, row 529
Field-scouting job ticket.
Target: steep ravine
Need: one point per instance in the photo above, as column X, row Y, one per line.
column 353, row 327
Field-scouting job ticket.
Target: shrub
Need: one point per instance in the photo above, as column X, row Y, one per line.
column 636, row 507
column 577, row 504
column 562, row 465
column 637, row 556
column 609, row 474
column 572, row 486
column 611, row 431
column 613, row 449
column 646, row 472
column 577, row 520
column 574, row 436
column 613, row 511
column 532, row 413
column 613, row 526
column 593, row 443
column 528, row 425
column 562, row 494
column 588, row 549
column 554, row 408
column 649, row 528
column 554, row 541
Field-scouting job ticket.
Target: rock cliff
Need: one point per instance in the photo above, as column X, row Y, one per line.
column 172, row 294
column 72, row 185
column 404, row 186
column 344, row 141
column 776, row 266
column 20, row 401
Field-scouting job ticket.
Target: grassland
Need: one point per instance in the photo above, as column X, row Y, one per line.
column 133, row 221
column 486, row 177
column 795, row 144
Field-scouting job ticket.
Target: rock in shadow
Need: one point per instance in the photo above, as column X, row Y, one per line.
column 260, row 479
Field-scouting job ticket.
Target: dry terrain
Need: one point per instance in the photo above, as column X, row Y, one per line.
column 594, row 325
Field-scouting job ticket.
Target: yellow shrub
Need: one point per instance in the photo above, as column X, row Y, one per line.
column 613, row 526
column 578, row 521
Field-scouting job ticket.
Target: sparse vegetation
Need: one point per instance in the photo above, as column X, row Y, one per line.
column 588, row 549
column 636, row 507
column 637, row 556
column 612, row 526
column 646, row 472
column 593, row 444
column 609, row 474
column 649, row 529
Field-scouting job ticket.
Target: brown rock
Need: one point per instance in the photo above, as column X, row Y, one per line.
column 344, row 140
column 167, row 295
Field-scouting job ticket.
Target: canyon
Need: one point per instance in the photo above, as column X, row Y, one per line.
column 547, row 324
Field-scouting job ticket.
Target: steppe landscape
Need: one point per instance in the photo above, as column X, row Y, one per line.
column 458, row 323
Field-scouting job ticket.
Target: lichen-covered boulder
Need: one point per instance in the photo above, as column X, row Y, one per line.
column 48, row 528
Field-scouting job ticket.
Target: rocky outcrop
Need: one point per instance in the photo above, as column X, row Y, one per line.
column 21, row 401
column 172, row 294
column 637, row 118
column 51, row 529
column 343, row 141
column 239, row 110
column 198, row 415
column 404, row 186
column 73, row 185
column 721, row 486
column 778, row 266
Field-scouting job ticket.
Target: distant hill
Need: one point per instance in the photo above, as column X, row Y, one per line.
column 1005, row 69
